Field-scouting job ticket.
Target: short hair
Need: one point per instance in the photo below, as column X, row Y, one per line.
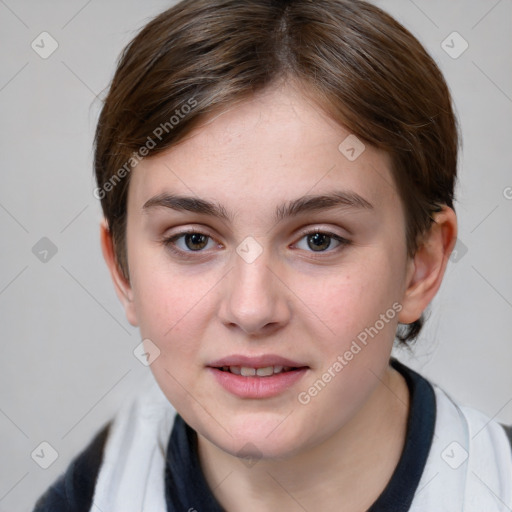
column 362, row 67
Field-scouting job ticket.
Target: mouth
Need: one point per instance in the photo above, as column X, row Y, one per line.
column 265, row 371
column 257, row 377
column 256, row 366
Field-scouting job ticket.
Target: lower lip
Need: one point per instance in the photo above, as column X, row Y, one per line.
column 257, row 387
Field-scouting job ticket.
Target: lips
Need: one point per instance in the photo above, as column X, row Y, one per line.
column 257, row 377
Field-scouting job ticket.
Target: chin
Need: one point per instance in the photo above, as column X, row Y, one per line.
column 259, row 439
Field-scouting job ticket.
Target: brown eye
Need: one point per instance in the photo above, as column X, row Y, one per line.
column 189, row 242
column 319, row 241
column 196, row 241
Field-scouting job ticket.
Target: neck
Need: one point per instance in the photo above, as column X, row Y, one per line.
column 346, row 472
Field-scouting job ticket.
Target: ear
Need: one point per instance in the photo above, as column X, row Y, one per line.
column 121, row 284
column 427, row 268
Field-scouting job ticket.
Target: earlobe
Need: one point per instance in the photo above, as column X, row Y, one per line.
column 121, row 284
column 427, row 268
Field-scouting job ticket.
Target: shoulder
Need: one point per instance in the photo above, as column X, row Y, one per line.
column 73, row 491
column 473, row 429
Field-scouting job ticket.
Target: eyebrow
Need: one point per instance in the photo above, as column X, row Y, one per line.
column 305, row 204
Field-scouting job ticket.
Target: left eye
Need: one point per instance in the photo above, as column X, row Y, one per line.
column 319, row 241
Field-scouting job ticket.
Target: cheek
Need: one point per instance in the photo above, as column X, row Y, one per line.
column 353, row 340
column 173, row 310
column 352, row 298
column 172, row 305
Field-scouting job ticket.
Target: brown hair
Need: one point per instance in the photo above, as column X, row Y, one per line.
column 362, row 67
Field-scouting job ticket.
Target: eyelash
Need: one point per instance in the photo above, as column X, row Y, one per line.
column 169, row 242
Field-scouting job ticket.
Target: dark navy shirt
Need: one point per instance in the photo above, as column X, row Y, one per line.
column 185, row 484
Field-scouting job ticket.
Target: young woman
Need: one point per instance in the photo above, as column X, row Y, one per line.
column 277, row 181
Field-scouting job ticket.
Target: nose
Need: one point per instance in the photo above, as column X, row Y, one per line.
column 255, row 299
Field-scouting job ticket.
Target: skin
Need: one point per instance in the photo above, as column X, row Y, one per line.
column 291, row 301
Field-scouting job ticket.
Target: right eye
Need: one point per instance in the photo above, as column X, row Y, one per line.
column 187, row 242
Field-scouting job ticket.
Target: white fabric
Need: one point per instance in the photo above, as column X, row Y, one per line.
column 131, row 478
column 480, row 483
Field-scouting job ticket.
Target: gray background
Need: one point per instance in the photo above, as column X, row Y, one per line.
column 67, row 357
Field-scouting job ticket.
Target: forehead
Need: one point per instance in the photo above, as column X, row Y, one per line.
column 275, row 146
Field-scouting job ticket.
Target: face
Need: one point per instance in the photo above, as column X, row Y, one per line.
column 259, row 283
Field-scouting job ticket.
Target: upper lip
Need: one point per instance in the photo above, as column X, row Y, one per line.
column 255, row 362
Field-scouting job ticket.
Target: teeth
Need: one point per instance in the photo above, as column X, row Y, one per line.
column 265, row 372
column 246, row 371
